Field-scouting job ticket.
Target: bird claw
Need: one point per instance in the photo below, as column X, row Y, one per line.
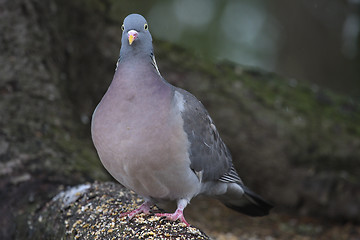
column 144, row 208
column 177, row 215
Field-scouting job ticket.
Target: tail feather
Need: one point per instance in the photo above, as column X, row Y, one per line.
column 251, row 204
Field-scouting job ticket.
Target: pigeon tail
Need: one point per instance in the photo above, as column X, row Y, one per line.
column 250, row 204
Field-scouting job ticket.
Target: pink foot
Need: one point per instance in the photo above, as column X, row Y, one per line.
column 144, row 208
column 178, row 214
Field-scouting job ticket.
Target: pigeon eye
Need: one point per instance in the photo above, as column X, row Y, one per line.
column 146, row 26
column 122, row 27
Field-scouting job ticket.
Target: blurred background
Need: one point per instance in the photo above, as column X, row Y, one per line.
column 315, row 41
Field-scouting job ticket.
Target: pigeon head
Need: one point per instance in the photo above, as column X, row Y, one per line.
column 136, row 38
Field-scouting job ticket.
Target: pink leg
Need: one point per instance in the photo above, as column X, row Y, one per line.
column 178, row 214
column 144, row 208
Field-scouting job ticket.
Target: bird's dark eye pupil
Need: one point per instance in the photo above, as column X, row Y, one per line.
column 122, row 27
column 145, row 26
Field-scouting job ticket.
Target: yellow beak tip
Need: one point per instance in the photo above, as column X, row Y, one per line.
column 131, row 39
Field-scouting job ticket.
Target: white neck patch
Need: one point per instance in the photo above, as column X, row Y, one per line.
column 180, row 102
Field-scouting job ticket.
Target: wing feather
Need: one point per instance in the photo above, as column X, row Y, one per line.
column 208, row 153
